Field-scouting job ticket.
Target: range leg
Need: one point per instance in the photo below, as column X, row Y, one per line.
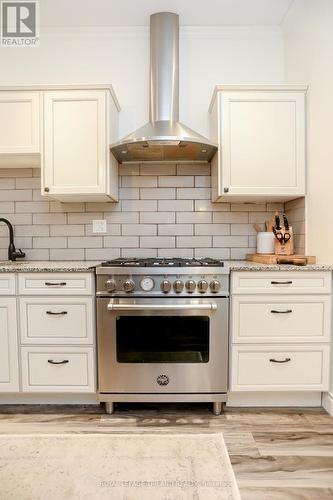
column 109, row 408
column 217, row 408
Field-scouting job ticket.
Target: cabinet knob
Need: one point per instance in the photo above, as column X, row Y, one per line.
column 226, row 190
column 47, row 190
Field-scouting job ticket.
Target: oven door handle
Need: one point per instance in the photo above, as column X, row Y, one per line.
column 161, row 307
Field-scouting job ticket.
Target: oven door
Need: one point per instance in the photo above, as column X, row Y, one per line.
column 162, row 345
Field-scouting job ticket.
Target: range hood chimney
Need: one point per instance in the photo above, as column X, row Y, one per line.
column 164, row 138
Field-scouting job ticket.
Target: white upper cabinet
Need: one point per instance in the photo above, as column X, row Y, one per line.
column 79, row 126
column 260, row 131
column 19, row 129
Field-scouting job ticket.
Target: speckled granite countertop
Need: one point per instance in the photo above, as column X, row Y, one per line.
column 89, row 266
column 52, row 266
column 243, row 265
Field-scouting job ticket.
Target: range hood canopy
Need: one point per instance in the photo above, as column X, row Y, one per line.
column 164, row 138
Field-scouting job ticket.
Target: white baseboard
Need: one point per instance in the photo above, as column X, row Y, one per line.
column 274, row 399
column 38, row 399
column 327, row 402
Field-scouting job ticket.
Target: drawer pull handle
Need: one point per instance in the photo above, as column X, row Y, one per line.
column 287, row 311
column 281, row 282
column 63, row 362
column 61, row 283
column 286, row 360
column 60, row 313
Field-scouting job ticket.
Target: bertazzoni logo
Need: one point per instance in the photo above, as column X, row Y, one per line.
column 20, row 23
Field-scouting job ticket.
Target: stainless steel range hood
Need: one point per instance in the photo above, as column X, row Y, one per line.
column 164, row 138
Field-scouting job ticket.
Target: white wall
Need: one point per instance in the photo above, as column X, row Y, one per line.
column 121, row 56
column 308, row 34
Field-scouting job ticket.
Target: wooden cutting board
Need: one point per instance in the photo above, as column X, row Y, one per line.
column 296, row 259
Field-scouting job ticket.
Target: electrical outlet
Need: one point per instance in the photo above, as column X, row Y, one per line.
column 99, row 226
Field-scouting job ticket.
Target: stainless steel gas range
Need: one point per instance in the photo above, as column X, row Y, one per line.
column 162, row 331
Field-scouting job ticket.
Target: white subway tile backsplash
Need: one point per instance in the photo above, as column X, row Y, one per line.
column 194, row 241
column 175, row 205
column 85, row 242
column 158, row 169
column 49, row 219
column 230, row 217
column 139, row 229
column 136, row 181
column 212, row 229
column 50, row 242
column 157, row 217
column 230, row 241
column 164, row 210
column 139, row 205
column 121, row 241
column 84, row 218
column 193, row 194
column 67, row 254
column 175, row 229
column 66, row 230
column 6, row 183
column 16, row 195
column 194, row 217
column 32, row 207
column 176, row 181
column 7, row 207
column 214, row 253
column 157, row 194
column 157, row 242
column 208, row 206
column 101, row 253
column 194, row 169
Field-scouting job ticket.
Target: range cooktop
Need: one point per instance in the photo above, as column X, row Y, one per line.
column 156, row 262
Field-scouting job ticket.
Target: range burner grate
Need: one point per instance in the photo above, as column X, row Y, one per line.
column 155, row 262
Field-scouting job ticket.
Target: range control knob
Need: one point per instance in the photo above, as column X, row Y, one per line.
column 178, row 286
column 110, row 285
column 165, row 286
column 202, row 286
column 128, row 286
column 190, row 286
column 215, row 286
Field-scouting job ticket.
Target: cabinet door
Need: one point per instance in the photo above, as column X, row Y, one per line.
column 262, row 143
column 19, row 122
column 9, row 378
column 75, row 145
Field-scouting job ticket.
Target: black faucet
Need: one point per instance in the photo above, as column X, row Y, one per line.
column 13, row 254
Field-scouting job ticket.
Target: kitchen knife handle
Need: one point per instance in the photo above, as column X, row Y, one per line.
column 286, row 360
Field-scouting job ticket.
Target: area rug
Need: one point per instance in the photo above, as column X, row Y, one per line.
column 116, row 466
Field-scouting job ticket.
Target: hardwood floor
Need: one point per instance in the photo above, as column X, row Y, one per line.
column 277, row 454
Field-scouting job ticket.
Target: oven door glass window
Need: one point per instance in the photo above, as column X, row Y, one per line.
column 162, row 339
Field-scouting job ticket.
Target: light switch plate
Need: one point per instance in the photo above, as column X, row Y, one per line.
column 99, row 226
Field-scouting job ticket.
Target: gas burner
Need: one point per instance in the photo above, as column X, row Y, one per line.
column 156, row 262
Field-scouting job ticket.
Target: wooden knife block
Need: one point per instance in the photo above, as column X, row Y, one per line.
column 287, row 248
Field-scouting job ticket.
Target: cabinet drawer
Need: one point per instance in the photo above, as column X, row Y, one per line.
column 57, row 320
column 7, row 284
column 278, row 318
column 56, row 369
column 257, row 368
column 281, row 282
column 55, row 283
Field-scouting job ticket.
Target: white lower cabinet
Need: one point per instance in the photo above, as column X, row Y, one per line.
column 58, row 369
column 9, row 368
column 292, row 367
column 280, row 331
column 57, row 320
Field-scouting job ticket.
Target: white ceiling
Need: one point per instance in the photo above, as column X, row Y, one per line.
column 136, row 12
